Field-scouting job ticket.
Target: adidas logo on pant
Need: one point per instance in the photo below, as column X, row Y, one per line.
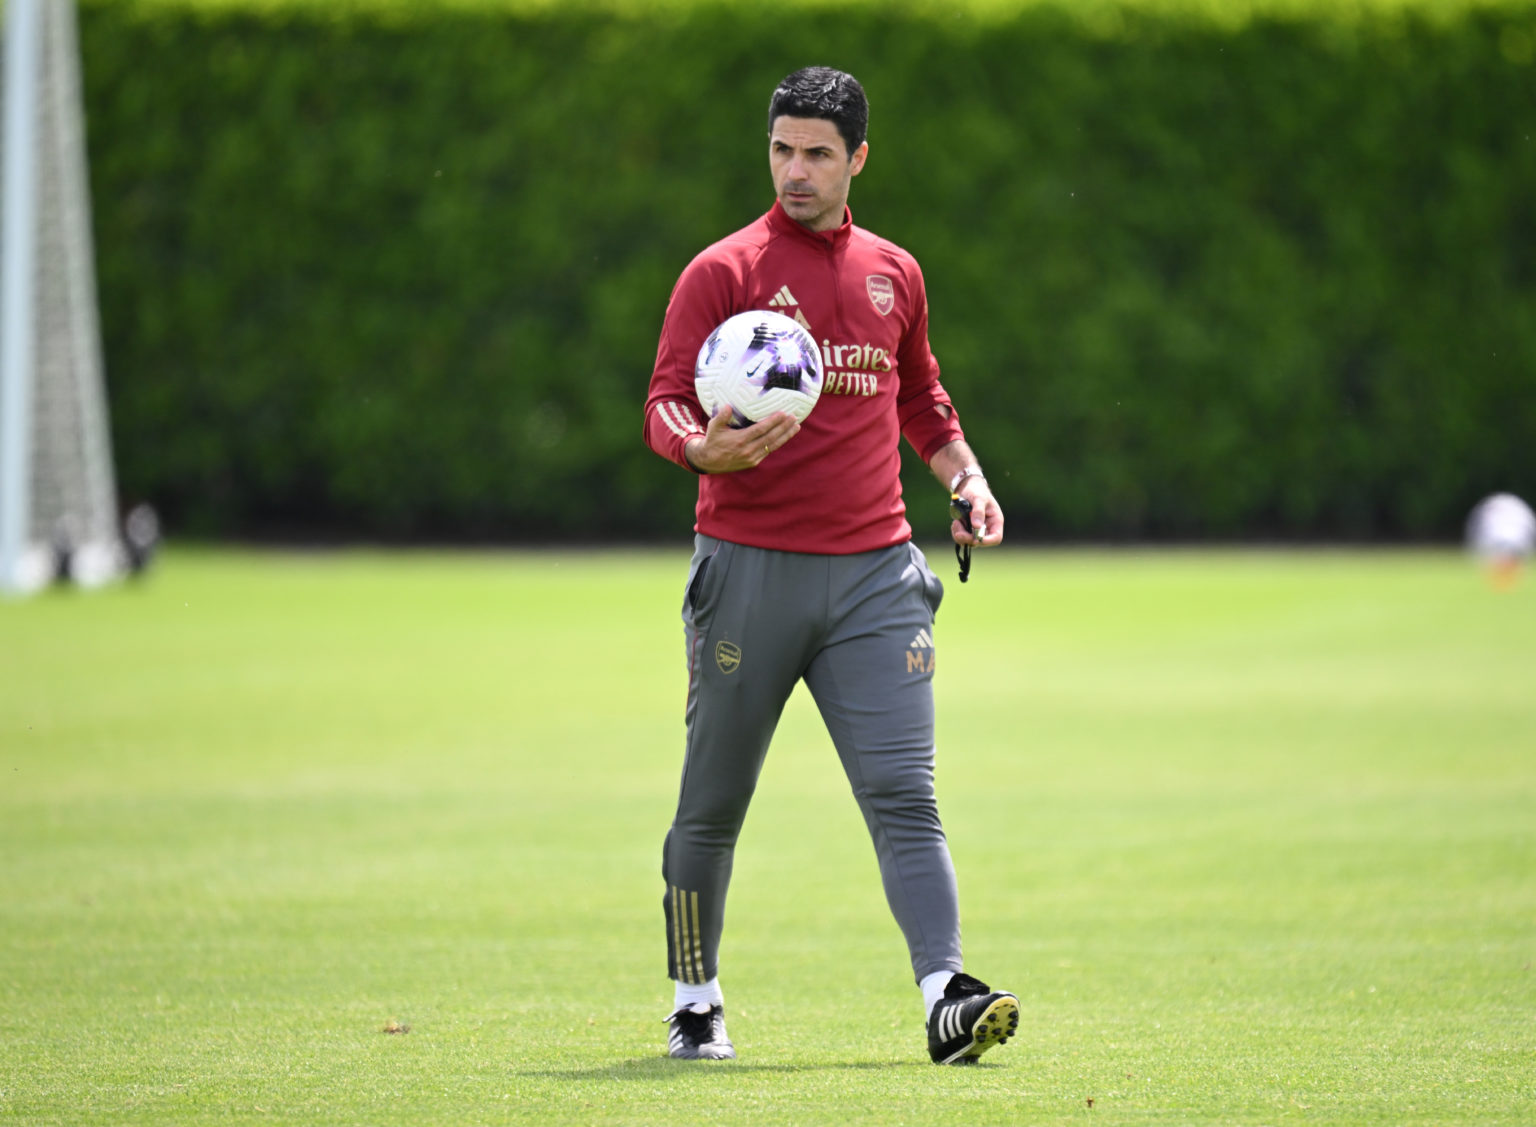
column 920, row 654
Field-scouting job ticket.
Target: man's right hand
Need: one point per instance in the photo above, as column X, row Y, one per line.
column 724, row 449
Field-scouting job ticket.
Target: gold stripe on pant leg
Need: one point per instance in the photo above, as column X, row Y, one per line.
column 698, row 939
column 681, row 966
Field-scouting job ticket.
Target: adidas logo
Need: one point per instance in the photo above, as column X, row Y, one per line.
column 921, row 655
column 783, row 298
column 950, row 1023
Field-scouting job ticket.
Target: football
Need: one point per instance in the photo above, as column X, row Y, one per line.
column 1502, row 526
column 757, row 363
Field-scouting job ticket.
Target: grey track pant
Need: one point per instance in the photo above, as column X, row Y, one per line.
column 858, row 629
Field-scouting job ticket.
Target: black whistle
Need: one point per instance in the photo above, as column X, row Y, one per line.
column 960, row 510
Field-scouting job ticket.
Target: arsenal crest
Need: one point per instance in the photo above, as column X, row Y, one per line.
column 881, row 293
column 727, row 656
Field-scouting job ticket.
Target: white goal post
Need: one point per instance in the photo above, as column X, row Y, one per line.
column 58, row 495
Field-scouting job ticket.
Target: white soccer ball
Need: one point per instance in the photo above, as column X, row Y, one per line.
column 757, row 363
column 1502, row 527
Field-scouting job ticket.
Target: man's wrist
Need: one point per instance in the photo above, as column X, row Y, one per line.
column 969, row 471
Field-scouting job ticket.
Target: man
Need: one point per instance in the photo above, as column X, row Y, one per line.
column 804, row 566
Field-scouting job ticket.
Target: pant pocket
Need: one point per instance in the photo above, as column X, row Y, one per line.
column 705, row 574
column 933, row 588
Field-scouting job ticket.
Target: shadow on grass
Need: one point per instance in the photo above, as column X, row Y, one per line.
column 658, row 1067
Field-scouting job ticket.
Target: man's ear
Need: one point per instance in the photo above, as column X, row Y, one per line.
column 856, row 162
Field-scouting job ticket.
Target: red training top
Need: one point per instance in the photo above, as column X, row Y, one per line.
column 835, row 488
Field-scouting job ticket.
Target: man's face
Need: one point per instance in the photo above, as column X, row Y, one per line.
column 812, row 170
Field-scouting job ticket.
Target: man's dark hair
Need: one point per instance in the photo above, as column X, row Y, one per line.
column 825, row 93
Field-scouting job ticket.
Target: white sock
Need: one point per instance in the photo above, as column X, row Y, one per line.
column 707, row 995
column 932, row 987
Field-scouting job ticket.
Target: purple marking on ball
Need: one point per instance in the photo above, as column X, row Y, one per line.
column 774, row 361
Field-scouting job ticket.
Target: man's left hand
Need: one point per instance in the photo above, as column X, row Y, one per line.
column 986, row 528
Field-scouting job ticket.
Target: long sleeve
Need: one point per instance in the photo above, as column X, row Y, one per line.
column 928, row 419
column 700, row 301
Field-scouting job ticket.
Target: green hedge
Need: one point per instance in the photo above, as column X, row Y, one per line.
column 377, row 271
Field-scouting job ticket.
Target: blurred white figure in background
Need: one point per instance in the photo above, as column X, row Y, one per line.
column 1502, row 532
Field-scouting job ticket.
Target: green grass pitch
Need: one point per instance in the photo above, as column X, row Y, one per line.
column 1252, row 835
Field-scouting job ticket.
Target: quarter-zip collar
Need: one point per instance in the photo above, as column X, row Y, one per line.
column 835, row 239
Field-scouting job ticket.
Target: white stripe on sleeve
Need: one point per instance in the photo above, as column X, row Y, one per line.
column 666, row 417
column 679, row 419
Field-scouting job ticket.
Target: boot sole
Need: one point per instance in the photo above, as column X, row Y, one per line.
column 997, row 1023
